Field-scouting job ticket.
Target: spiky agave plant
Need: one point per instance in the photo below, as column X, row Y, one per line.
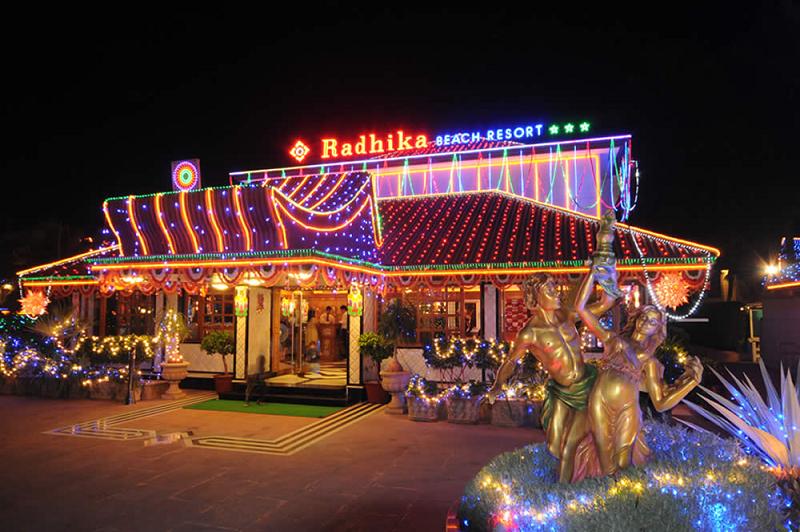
column 769, row 428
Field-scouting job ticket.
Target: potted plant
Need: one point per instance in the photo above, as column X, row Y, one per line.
column 424, row 399
column 171, row 331
column 398, row 324
column 378, row 349
column 511, row 407
column 221, row 343
column 463, row 401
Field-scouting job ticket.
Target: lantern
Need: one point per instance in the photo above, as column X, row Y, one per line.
column 355, row 301
column 240, row 302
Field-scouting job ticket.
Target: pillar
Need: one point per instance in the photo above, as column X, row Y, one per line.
column 489, row 311
column 370, row 309
column 240, row 357
column 354, row 356
column 259, row 330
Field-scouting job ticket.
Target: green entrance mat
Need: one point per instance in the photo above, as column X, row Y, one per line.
column 275, row 409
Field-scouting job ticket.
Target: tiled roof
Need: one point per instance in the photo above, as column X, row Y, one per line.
column 492, row 227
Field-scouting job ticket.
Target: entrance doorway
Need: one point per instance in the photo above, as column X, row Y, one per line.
column 312, row 345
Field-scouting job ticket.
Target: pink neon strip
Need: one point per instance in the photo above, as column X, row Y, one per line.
column 187, row 222
column 213, row 219
column 111, row 226
column 160, row 218
column 240, row 217
column 132, row 216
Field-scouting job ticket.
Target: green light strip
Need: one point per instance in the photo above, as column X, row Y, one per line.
column 59, row 277
column 291, row 253
column 310, row 253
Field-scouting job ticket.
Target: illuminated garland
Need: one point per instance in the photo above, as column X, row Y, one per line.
column 424, row 390
column 694, row 481
column 60, row 278
column 651, row 290
column 30, row 362
column 208, row 257
column 168, row 336
column 474, row 352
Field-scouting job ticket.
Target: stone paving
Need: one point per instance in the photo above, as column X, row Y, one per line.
column 380, row 473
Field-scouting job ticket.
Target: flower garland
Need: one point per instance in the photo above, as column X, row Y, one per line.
column 424, row 390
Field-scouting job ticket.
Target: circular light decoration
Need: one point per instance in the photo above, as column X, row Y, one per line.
column 299, row 151
column 34, row 304
column 185, row 176
column 672, row 290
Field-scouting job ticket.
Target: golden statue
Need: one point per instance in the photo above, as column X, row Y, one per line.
column 628, row 365
column 593, row 423
column 550, row 334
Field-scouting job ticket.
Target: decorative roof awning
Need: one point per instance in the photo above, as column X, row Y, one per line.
column 326, row 230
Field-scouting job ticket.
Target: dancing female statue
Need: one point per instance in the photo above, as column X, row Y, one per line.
column 615, row 419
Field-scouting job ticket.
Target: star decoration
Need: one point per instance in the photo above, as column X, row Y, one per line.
column 672, row 290
column 299, row 151
column 553, row 129
column 569, row 128
column 34, row 304
column 584, row 127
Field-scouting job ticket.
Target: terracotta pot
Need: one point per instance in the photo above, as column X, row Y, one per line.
column 223, row 383
column 121, row 392
column 102, row 390
column 375, row 393
column 7, row 385
column 422, row 410
column 153, row 390
column 52, row 388
column 509, row 413
column 76, row 389
column 463, row 410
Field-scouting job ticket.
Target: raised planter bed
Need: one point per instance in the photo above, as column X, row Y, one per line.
column 466, row 411
column 422, row 410
column 510, row 413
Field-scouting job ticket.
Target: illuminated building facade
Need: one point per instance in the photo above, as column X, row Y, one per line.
column 452, row 227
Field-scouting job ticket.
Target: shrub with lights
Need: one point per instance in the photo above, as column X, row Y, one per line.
column 694, row 481
column 463, row 401
column 56, row 356
column 453, row 356
column 424, row 399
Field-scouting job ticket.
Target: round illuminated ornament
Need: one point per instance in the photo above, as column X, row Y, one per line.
column 672, row 290
column 34, row 304
column 185, row 176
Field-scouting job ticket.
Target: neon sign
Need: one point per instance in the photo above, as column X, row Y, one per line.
column 366, row 144
column 517, row 133
column 399, row 141
column 372, row 145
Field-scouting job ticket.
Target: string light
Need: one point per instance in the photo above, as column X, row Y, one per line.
column 654, row 295
column 708, row 477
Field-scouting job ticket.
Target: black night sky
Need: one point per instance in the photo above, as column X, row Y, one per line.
column 95, row 108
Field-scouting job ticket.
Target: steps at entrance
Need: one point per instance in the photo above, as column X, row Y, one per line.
column 323, row 396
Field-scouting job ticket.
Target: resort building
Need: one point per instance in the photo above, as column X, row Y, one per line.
column 451, row 225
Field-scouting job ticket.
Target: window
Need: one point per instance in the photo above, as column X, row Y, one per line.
column 205, row 314
column 439, row 312
column 131, row 314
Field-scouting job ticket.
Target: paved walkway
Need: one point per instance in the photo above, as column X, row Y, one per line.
column 377, row 473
